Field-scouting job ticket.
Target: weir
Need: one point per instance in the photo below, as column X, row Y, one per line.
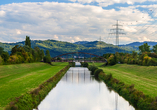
column 78, row 90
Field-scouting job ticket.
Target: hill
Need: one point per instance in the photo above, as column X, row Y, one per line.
column 59, row 47
column 135, row 45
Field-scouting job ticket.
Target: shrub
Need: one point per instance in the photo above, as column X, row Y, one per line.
column 84, row 64
column 97, row 71
column 92, row 68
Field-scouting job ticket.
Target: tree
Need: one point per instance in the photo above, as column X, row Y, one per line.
column 155, row 49
column 17, row 49
column 1, row 50
column 47, row 58
column 134, row 54
column 42, row 54
column 144, row 48
column 5, row 56
column 28, row 41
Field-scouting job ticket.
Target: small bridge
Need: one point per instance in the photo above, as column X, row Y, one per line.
column 89, row 59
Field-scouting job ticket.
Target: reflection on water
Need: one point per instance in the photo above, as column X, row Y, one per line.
column 79, row 91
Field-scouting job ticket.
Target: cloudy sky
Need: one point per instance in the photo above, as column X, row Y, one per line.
column 78, row 20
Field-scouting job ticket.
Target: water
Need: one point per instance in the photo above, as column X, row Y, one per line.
column 77, row 90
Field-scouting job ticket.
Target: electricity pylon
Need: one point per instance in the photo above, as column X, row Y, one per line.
column 117, row 33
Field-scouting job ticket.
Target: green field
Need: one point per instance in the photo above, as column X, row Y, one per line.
column 18, row 79
column 143, row 77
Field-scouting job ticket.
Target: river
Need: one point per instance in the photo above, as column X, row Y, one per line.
column 78, row 90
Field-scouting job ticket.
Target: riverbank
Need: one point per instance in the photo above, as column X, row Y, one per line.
column 144, row 78
column 16, row 80
column 135, row 83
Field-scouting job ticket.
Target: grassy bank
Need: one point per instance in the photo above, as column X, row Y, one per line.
column 15, row 80
column 143, row 77
column 135, row 83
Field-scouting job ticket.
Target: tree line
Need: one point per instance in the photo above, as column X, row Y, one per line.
column 145, row 57
column 24, row 54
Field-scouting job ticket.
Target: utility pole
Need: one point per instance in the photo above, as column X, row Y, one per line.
column 117, row 33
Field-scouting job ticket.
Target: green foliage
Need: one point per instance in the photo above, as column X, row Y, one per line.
column 97, row 71
column 154, row 49
column 84, row 64
column 58, row 47
column 47, row 58
column 112, row 60
column 17, row 49
column 28, row 41
column 144, row 48
column 92, row 68
column 1, row 60
column 58, row 58
column 1, row 50
column 5, row 56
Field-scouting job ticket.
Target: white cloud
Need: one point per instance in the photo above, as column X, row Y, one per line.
column 106, row 3
column 66, row 21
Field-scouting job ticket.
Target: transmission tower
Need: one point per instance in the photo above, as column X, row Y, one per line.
column 117, row 33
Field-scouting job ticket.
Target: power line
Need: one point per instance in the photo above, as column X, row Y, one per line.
column 117, row 33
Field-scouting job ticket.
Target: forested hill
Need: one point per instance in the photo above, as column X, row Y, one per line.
column 59, row 47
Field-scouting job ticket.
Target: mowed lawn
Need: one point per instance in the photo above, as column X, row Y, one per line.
column 143, row 77
column 18, row 79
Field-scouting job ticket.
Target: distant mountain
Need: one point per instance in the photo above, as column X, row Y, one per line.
column 135, row 45
column 58, row 47
column 81, row 42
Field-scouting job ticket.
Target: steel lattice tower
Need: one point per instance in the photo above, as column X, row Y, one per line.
column 117, row 33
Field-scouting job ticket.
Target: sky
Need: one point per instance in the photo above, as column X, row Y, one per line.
column 78, row 20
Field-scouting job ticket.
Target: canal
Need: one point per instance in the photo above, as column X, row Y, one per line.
column 78, row 90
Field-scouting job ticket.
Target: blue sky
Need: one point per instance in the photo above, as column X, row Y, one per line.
column 78, row 20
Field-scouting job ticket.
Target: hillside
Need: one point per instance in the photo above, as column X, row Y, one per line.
column 135, row 45
column 59, row 47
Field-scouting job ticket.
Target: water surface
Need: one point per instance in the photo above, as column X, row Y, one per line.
column 77, row 90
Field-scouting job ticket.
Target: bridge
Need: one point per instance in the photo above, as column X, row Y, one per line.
column 83, row 59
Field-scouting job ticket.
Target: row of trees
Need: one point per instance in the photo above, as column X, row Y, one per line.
column 24, row 54
column 145, row 57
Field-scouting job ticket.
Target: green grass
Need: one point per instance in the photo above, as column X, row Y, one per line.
column 96, row 64
column 18, row 79
column 143, row 77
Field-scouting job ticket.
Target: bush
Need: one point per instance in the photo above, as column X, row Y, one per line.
column 96, row 73
column 92, row 68
column 84, row 64
column 47, row 59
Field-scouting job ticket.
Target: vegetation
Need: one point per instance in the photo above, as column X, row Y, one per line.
column 137, row 84
column 144, row 78
column 145, row 57
column 84, row 64
column 135, row 97
column 32, row 99
column 57, row 47
column 24, row 54
column 16, row 80
column 47, row 58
